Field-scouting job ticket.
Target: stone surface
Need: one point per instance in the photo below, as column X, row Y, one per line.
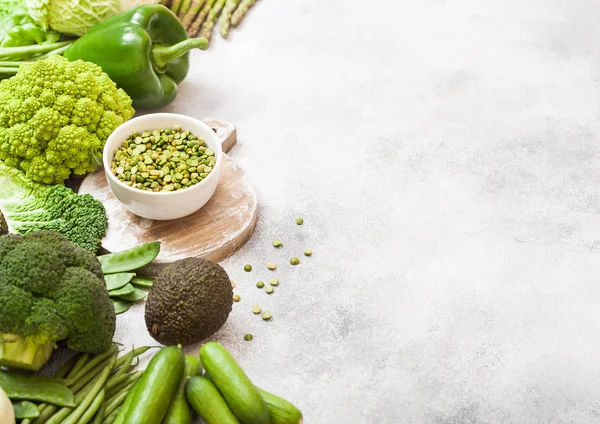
column 444, row 157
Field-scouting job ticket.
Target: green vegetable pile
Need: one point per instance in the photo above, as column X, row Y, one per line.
column 28, row 206
column 53, row 129
column 86, row 388
column 50, row 291
column 215, row 387
column 124, row 286
column 200, row 17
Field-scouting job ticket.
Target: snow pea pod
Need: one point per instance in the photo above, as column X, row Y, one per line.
column 29, row 387
column 25, row 409
column 123, row 291
column 116, row 281
column 130, row 259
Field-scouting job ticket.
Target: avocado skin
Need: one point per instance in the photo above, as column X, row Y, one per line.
column 189, row 302
column 3, row 225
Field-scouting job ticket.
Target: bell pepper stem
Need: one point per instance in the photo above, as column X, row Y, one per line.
column 162, row 55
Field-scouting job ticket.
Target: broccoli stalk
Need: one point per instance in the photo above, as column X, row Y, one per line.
column 23, row 353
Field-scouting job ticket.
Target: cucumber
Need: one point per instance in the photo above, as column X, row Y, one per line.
column 237, row 389
column 179, row 411
column 149, row 400
column 280, row 410
column 206, row 400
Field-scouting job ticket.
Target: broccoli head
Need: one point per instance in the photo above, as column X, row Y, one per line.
column 56, row 115
column 50, row 291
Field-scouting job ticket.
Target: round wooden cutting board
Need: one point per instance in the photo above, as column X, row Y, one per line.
column 214, row 232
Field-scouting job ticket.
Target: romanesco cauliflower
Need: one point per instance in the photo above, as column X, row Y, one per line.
column 55, row 117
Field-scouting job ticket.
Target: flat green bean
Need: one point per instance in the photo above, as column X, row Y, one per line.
column 116, row 281
column 25, row 409
column 29, row 387
column 130, row 259
column 120, row 305
column 135, row 296
column 141, row 281
column 123, row 291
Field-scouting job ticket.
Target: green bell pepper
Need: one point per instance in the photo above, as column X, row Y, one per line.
column 145, row 51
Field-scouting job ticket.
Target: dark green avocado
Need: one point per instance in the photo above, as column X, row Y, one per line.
column 190, row 301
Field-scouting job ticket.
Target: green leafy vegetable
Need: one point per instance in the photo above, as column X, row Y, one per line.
column 21, row 30
column 28, row 206
column 11, row 7
column 71, row 17
column 50, row 290
column 50, row 130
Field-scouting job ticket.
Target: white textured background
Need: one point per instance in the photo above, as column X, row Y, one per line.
column 444, row 156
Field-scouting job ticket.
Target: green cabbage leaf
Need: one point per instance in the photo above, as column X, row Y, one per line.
column 73, row 17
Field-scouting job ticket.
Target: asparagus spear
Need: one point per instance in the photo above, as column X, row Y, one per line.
column 183, row 9
column 191, row 14
column 174, row 6
column 241, row 11
column 225, row 18
column 209, row 24
column 195, row 27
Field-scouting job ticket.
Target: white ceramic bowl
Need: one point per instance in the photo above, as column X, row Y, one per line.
column 163, row 205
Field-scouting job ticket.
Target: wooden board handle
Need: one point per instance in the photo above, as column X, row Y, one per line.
column 226, row 132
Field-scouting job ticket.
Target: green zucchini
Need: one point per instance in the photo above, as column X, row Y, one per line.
column 237, row 389
column 179, row 411
column 149, row 400
column 280, row 410
column 205, row 399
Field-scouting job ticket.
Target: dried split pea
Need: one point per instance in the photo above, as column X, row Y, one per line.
column 294, row 261
column 266, row 315
column 308, row 252
column 269, row 289
column 274, row 282
column 271, row 265
column 260, row 284
column 299, row 221
column 237, row 298
column 248, row 337
column 248, row 268
column 277, row 243
column 256, row 309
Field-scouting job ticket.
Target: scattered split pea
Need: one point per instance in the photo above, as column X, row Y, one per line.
column 248, row 268
column 294, row 261
column 271, row 265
